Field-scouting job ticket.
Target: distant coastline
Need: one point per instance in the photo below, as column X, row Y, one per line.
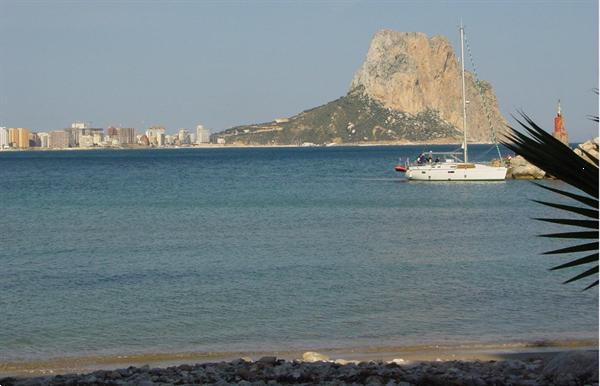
column 238, row 146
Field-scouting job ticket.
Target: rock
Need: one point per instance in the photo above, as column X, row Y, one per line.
column 269, row 360
column 311, row 356
column 341, row 362
column 374, row 380
column 186, row 367
column 408, row 89
column 590, row 147
column 399, row 361
column 113, row 375
column 410, row 72
column 575, row 366
column 520, row 168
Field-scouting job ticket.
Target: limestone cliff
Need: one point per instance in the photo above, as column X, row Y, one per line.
column 409, row 72
column 407, row 90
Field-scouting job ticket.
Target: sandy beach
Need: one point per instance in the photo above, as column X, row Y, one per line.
column 545, row 350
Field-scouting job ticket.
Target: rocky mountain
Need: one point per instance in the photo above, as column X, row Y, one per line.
column 408, row 90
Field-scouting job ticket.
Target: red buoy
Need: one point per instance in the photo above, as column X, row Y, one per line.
column 400, row 169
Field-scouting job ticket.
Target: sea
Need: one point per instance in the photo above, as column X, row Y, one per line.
column 116, row 252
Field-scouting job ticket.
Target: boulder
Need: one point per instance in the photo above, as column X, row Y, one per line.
column 573, row 367
column 520, row 168
column 268, row 360
column 311, row 356
column 590, row 147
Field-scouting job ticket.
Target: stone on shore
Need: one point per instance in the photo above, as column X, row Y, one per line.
column 590, row 147
column 520, row 169
column 311, row 356
column 572, row 368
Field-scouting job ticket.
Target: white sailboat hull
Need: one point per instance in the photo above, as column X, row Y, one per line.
column 456, row 172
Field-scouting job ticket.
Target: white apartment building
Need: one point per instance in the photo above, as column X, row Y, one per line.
column 184, row 136
column 79, row 125
column 44, row 138
column 3, row 138
column 202, row 135
column 86, row 140
column 98, row 138
column 154, row 134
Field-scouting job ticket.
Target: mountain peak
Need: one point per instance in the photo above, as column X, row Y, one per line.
column 407, row 90
column 410, row 72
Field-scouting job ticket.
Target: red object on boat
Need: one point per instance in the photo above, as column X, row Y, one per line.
column 399, row 168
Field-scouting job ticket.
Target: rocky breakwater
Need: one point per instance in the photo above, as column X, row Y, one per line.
column 408, row 90
column 590, row 147
column 569, row 368
column 520, row 168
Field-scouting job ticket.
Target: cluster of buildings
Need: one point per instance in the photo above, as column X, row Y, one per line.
column 81, row 135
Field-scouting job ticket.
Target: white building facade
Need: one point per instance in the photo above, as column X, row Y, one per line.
column 3, row 138
column 44, row 137
column 202, row 135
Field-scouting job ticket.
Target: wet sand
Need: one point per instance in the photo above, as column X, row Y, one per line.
column 409, row 354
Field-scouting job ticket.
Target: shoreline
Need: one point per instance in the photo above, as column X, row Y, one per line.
column 235, row 146
column 409, row 354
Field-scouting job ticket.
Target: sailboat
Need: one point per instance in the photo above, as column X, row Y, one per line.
column 449, row 166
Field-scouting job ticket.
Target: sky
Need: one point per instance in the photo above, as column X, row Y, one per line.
column 225, row 63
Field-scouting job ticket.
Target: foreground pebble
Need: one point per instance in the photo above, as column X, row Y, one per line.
column 577, row 368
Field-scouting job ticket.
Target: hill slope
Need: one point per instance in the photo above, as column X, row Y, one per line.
column 407, row 90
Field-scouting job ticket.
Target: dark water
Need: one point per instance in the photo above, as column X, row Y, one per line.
column 106, row 252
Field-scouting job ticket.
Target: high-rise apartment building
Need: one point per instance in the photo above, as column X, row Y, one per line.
column 23, row 138
column 13, row 137
column 34, row 140
column 3, row 138
column 79, row 125
column 86, row 140
column 112, row 132
column 126, row 135
column 75, row 131
column 98, row 137
column 184, row 136
column 154, row 133
column 202, row 134
column 43, row 139
column 58, row 139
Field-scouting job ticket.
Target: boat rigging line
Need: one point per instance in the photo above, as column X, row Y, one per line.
column 485, row 105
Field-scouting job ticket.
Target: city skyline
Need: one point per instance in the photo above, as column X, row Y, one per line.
column 81, row 135
column 136, row 64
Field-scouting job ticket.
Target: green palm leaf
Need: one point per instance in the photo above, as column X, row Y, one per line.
column 558, row 160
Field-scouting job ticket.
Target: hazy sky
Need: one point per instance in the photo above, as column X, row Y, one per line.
column 180, row 63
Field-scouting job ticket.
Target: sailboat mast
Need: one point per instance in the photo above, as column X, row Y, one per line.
column 462, row 62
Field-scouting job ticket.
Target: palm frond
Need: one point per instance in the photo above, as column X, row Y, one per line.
column 572, row 235
column 574, row 248
column 559, row 161
column 583, row 260
column 591, row 213
column 591, row 224
column 583, row 199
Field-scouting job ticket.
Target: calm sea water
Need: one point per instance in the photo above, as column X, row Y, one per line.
column 106, row 252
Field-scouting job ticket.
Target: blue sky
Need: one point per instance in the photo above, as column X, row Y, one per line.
column 181, row 63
